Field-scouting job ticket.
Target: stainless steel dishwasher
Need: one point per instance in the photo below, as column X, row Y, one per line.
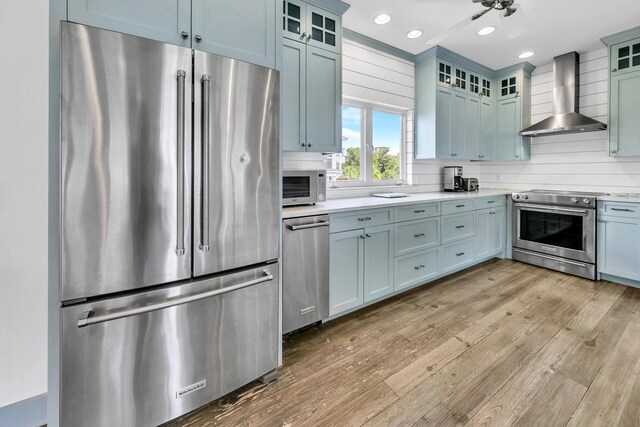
column 305, row 271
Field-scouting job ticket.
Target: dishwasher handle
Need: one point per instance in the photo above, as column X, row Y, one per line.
column 308, row 226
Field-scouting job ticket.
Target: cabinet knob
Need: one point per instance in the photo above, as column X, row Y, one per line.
column 303, row 144
column 309, row 144
column 614, row 151
column 614, row 70
column 364, row 236
column 309, row 37
column 303, row 36
column 198, row 38
column 185, row 34
column 368, row 234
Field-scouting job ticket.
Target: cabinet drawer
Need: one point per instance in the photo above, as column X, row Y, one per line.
column 457, row 206
column 457, row 255
column 458, row 227
column 619, row 209
column 416, row 268
column 360, row 219
column 490, row 202
column 408, row 213
column 416, row 235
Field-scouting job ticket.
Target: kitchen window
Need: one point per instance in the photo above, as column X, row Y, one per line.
column 372, row 147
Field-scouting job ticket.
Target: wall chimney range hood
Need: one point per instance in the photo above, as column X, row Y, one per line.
column 565, row 119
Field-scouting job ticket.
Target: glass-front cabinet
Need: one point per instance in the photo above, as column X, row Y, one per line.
column 508, row 87
column 445, row 74
column 312, row 25
column 486, row 88
column 625, row 57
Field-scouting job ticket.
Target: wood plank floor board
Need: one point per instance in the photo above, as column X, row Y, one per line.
column 499, row 344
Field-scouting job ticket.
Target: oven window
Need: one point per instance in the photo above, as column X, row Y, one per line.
column 553, row 229
column 294, row 187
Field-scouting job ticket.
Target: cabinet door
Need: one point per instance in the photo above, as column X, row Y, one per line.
column 461, row 80
column 323, row 29
column 162, row 20
column 485, row 148
column 625, row 57
column 473, row 127
column 509, row 87
column 624, row 113
column 508, row 124
column 490, row 232
column 293, row 16
column 475, row 81
column 324, row 115
column 242, row 29
column 378, row 262
column 444, row 102
column 459, row 149
column 486, row 88
column 346, row 280
column 619, row 247
column 293, row 95
column 445, row 74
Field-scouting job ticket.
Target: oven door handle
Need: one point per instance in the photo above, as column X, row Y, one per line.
column 553, row 258
column 544, row 208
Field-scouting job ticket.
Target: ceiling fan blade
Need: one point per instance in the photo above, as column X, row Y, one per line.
column 514, row 22
column 481, row 14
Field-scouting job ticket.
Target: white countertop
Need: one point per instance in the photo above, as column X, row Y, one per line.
column 629, row 198
column 359, row 203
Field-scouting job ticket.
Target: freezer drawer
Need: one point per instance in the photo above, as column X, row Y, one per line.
column 305, row 271
column 149, row 367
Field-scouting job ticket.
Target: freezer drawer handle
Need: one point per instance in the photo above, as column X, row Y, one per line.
column 204, row 215
column 308, row 226
column 87, row 318
column 180, row 149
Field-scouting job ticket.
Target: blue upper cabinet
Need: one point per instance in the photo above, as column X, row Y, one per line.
column 244, row 29
column 240, row 29
column 513, row 113
column 312, row 25
column 323, row 100
column 164, row 20
column 624, row 93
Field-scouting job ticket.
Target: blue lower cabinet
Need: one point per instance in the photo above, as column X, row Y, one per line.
column 378, row 262
column 619, row 246
column 458, row 255
column 490, row 232
column 417, row 235
column 458, row 227
column 346, row 279
column 416, row 268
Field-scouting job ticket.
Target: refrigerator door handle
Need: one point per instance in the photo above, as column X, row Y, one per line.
column 180, row 167
column 206, row 103
column 87, row 318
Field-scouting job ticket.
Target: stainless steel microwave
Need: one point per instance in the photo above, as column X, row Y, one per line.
column 304, row 187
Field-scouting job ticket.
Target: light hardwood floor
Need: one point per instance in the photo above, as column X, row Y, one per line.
column 500, row 344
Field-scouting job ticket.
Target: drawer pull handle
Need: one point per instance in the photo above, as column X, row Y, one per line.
column 622, row 210
column 419, row 211
column 418, row 235
column 491, row 201
column 419, row 267
column 459, row 226
column 366, row 218
column 460, row 206
column 460, row 254
column 492, row 213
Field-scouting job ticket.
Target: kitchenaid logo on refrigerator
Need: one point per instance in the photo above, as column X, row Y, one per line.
column 190, row 389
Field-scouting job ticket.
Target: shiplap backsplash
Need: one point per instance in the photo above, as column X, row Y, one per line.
column 569, row 162
column 373, row 76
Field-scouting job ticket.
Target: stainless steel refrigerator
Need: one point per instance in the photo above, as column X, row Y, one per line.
column 169, row 189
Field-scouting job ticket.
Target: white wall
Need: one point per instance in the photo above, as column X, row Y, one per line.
column 24, row 44
column 571, row 162
column 373, row 76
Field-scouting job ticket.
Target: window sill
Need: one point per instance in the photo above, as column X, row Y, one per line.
column 367, row 186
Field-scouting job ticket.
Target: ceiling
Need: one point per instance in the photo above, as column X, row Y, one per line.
column 555, row 27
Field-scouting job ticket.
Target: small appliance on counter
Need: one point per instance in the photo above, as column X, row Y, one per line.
column 471, row 184
column 303, row 187
column 453, row 180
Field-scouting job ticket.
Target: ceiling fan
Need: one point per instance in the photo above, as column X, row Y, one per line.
column 508, row 6
column 514, row 26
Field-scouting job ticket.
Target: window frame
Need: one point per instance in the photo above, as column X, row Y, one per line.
column 366, row 145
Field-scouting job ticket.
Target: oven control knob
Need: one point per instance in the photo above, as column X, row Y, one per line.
column 517, row 196
column 574, row 200
column 525, row 197
column 586, row 201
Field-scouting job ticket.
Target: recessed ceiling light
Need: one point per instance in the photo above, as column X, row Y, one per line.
column 414, row 34
column 382, row 19
column 486, row 31
column 527, row 54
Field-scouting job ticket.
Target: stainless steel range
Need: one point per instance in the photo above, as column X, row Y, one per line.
column 556, row 230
